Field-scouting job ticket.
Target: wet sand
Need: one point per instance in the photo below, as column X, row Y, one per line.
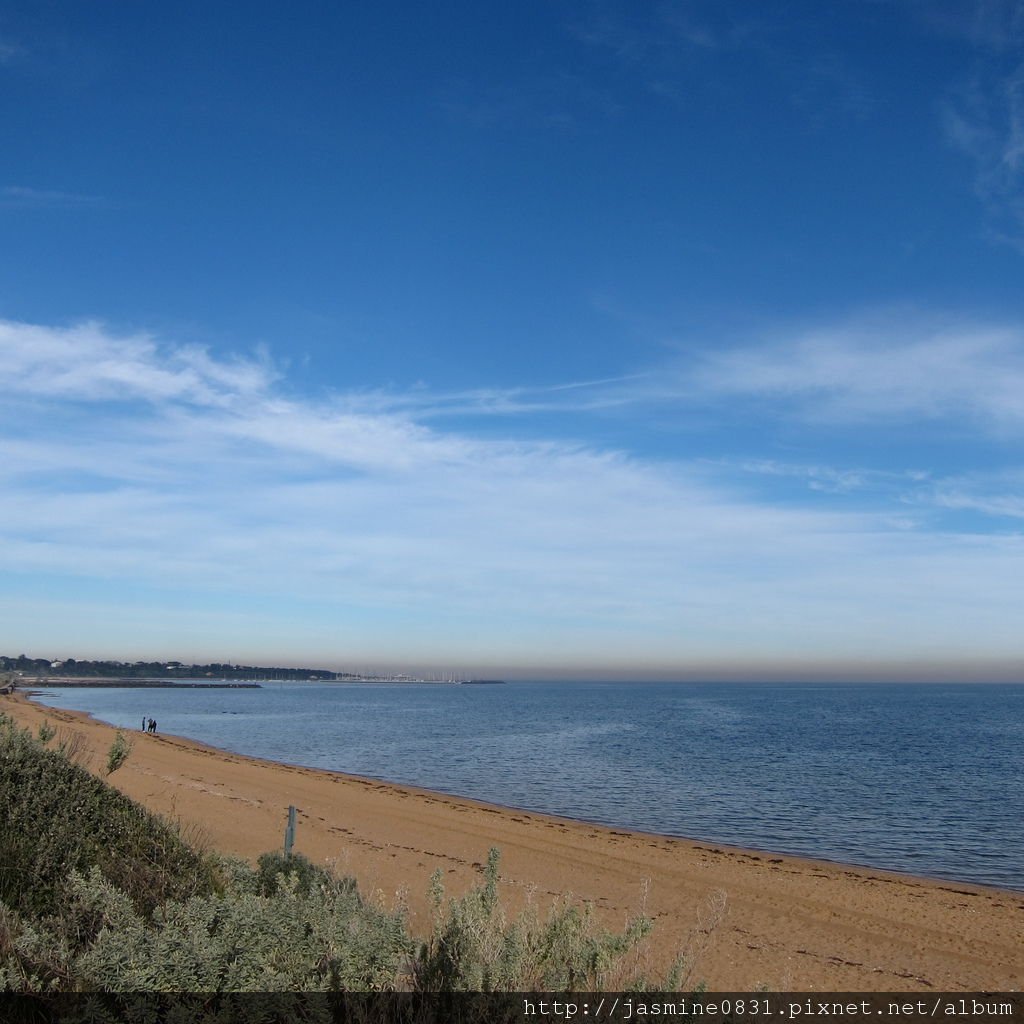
column 743, row 918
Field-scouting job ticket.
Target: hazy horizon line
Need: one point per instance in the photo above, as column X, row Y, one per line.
column 917, row 671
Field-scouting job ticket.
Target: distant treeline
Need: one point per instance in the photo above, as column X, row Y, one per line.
column 157, row 669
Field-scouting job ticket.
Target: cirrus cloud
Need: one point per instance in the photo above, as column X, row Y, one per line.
column 198, row 481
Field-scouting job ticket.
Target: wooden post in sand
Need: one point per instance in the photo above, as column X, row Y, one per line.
column 289, row 832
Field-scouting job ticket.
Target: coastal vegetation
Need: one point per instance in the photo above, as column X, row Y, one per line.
column 118, row 753
column 72, row 672
column 97, row 894
column 70, row 668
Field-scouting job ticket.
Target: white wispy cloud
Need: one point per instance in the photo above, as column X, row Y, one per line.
column 9, row 51
column 129, row 462
column 832, row 479
column 986, row 122
column 896, row 366
column 891, row 366
column 983, row 113
column 576, row 396
column 678, row 49
column 997, row 493
column 992, row 25
column 87, row 363
column 23, row 197
column 1011, row 505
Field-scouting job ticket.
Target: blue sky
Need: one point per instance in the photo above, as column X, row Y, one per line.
column 677, row 340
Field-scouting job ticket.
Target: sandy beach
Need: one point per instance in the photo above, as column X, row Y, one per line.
column 744, row 918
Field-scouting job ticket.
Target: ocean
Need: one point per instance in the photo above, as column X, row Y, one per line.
column 927, row 779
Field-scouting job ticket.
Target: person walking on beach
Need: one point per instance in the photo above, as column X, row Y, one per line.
column 152, row 725
column 145, row 723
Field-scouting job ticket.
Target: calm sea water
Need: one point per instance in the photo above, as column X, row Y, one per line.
column 925, row 779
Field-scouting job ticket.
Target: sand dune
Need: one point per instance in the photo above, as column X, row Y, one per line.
column 743, row 917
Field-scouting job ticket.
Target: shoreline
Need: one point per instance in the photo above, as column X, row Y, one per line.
column 34, row 691
column 743, row 917
column 512, row 809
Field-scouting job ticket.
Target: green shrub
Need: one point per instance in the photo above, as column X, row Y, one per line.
column 118, row 753
column 322, row 940
column 46, row 732
column 237, row 941
column 59, row 818
column 275, row 867
column 475, row 948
